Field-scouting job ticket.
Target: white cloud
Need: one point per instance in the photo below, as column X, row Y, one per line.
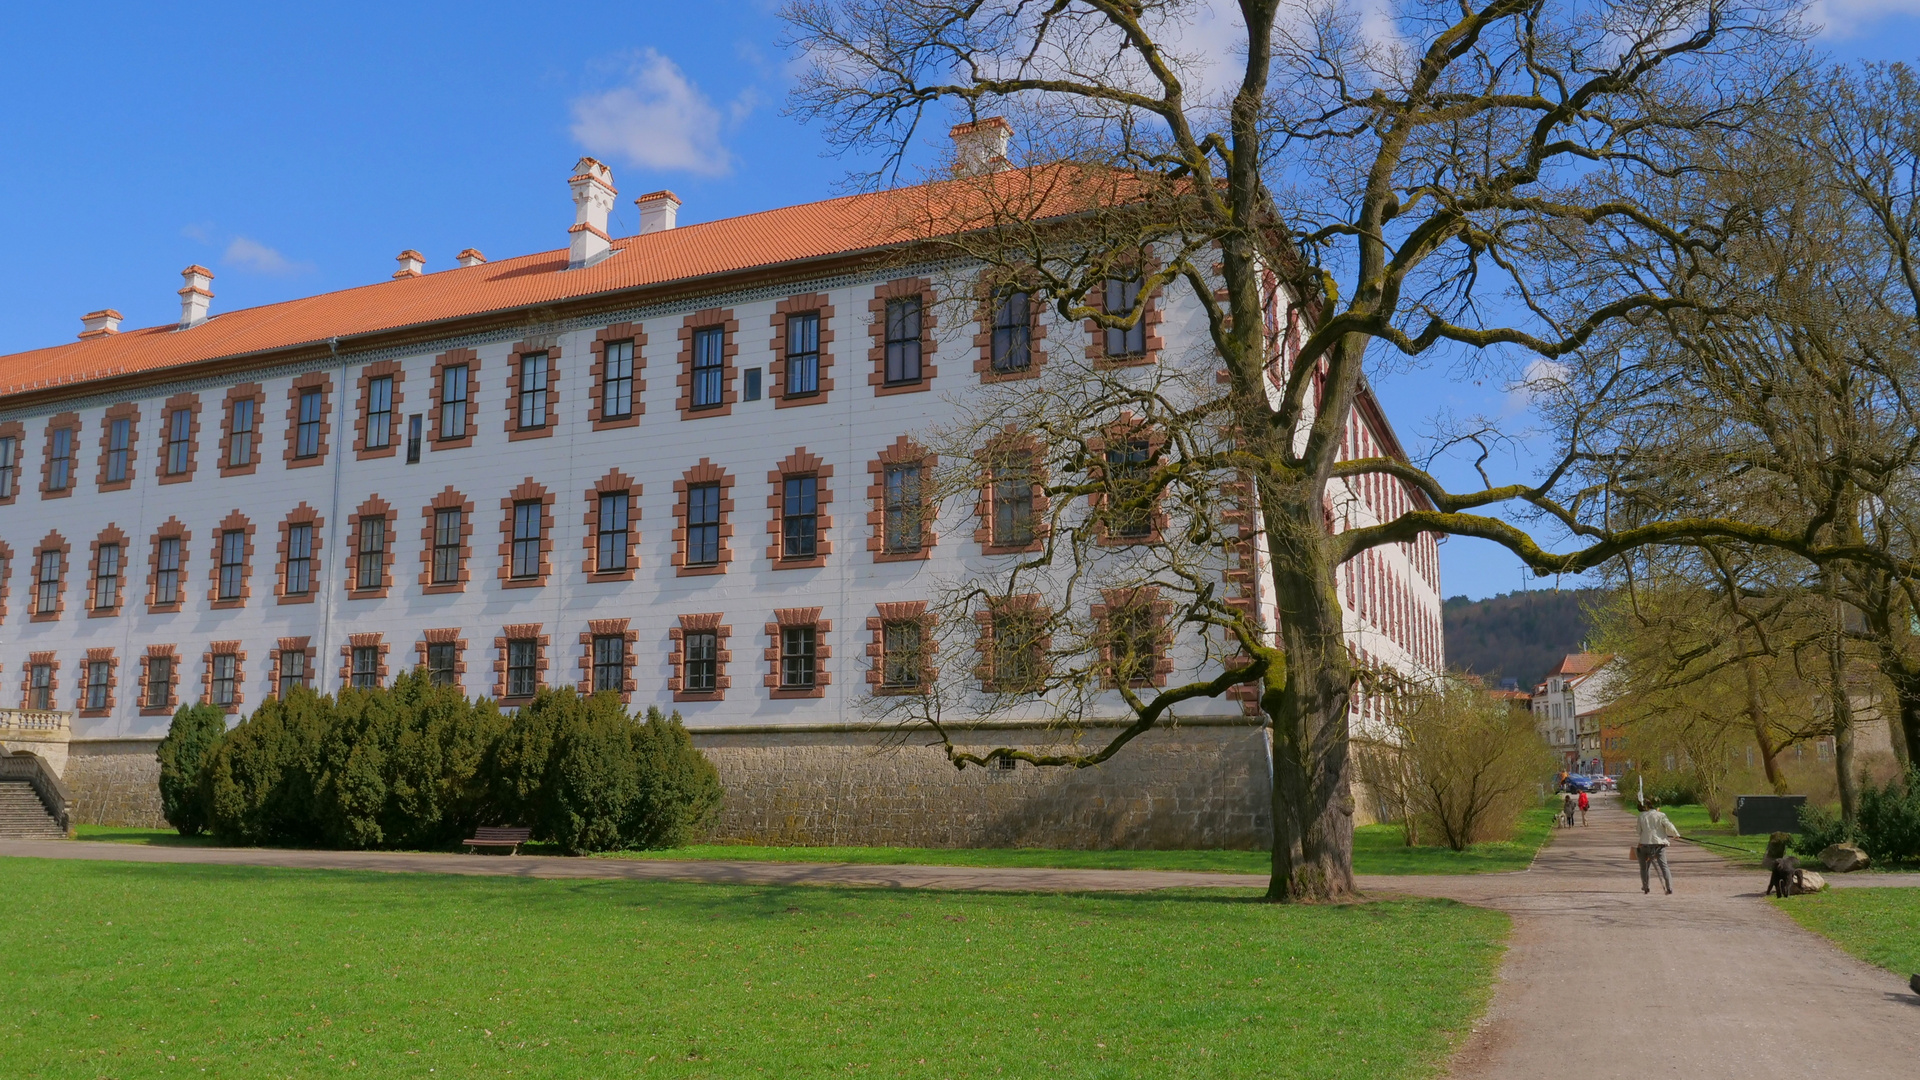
column 1542, row 377
column 658, row 120
column 250, row 254
column 1845, row 18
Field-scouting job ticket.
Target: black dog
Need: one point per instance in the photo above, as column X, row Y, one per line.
column 1786, row 877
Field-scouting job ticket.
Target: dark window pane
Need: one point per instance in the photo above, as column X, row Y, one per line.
column 98, row 672
column 702, row 661
column 526, row 539
column 166, row 582
column 240, row 433
column 60, row 473
column 371, row 561
column 709, row 360
column 307, row 435
column 1132, row 643
column 225, row 668
column 901, row 648
column 9, row 466
column 903, row 340
column 1122, row 294
column 613, row 532
column 1131, row 513
column 447, row 526
column 106, row 579
column 703, row 525
column 179, row 441
column 609, row 662
column 49, row 582
column 299, row 560
column 803, row 354
column 616, row 393
column 1013, row 501
column 904, row 509
column 522, row 656
column 159, row 682
column 797, row 645
column 119, row 436
column 799, row 517
column 533, row 391
column 380, row 412
column 293, row 670
column 453, row 402
column 1013, row 333
column 441, row 657
column 366, row 666
column 233, row 563
column 1016, row 646
column 40, row 687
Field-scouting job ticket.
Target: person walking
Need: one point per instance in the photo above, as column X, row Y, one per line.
column 1583, row 808
column 1655, row 830
column 1566, row 808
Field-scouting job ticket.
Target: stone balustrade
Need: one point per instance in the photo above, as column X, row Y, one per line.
column 41, row 722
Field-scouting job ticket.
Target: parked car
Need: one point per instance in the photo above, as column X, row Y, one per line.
column 1577, row 783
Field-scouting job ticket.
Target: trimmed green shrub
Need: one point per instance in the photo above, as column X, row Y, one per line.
column 593, row 785
column 679, row 787
column 190, row 738
column 1889, row 826
column 1820, row 828
column 259, row 786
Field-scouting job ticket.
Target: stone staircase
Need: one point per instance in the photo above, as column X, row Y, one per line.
column 23, row 816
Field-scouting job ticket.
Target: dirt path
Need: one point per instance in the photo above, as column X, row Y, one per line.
column 1601, row 981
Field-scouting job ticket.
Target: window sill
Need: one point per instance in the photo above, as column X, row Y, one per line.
column 368, row 594
column 920, row 555
column 705, row 570
column 50, row 616
column 228, row 605
column 103, row 613
column 523, row 434
column 62, row 493
column 782, row 693
column 598, row 577
column 443, row 588
column 699, row 695
column 156, row 710
column 302, row 598
column 524, row 582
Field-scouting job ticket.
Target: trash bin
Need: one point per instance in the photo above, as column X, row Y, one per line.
column 1755, row 814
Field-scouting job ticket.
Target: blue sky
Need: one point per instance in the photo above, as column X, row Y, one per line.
column 296, row 152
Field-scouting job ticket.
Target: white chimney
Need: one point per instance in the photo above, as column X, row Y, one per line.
column 470, row 257
column 658, row 211
column 412, row 264
column 99, row 323
column 593, row 192
column 196, row 296
column 980, row 146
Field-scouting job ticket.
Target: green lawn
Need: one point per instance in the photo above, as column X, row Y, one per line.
column 1692, row 821
column 1880, row 926
column 1377, row 849
column 129, row 970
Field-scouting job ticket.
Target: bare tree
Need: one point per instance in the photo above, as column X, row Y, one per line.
column 1441, row 192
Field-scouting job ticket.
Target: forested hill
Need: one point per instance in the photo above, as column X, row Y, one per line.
column 1519, row 635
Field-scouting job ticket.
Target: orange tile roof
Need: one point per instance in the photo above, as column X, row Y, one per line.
column 1581, row 663
column 834, row 227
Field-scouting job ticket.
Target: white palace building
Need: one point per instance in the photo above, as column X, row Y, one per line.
column 662, row 464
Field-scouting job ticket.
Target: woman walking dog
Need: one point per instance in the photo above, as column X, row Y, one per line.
column 1654, row 832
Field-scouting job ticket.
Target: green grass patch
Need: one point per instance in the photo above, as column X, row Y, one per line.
column 1880, row 926
column 131, row 970
column 1693, row 821
column 1377, row 849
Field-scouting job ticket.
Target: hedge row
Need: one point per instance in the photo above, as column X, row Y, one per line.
column 418, row 766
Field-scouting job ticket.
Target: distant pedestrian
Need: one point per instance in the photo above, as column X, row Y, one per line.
column 1566, row 807
column 1583, row 808
column 1654, row 831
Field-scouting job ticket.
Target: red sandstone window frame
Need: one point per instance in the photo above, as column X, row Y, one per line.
column 797, row 466
column 286, row 645
column 819, row 304
column 444, row 636
column 68, row 422
column 904, row 451
column 374, row 508
column 892, row 614
column 597, row 372
column 13, row 429
column 233, row 522
column 375, row 641
column 299, row 515
column 448, row 499
column 53, row 541
column 452, row 358
column 1144, row 599
column 989, row 290
column 109, row 535
column 129, row 412
column 323, row 382
column 1011, row 441
column 614, row 483
column 51, row 662
column 224, row 648
column 95, row 656
column 706, row 472
column 785, row 619
column 363, row 418
column 598, row 628
column 729, row 326
column 257, row 394
column 171, row 529
column 551, row 413
column 901, row 289
column 159, row 652
column 677, row 659
column 527, row 492
column 519, row 632
column 986, row 669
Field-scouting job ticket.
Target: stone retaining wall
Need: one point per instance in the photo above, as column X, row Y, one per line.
column 114, row 782
column 1188, row 787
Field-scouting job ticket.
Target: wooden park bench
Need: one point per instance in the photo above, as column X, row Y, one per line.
column 491, row 836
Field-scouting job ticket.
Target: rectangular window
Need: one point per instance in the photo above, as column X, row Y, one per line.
column 106, row 577
column 293, row 670
column 413, row 439
column 797, row 645
column 800, row 518
column 803, row 354
column 522, row 655
column 1122, row 295
column 903, row 340
column 119, row 440
column 366, row 666
column 48, row 599
column 1016, row 652
column 526, row 539
column 233, row 563
column 60, row 475
column 1013, row 501
column 1132, row 643
column 226, row 669
column 98, row 672
column 40, row 687
column 702, row 661
column 903, row 643
column 616, row 388
column 904, row 509
column 703, row 525
column 371, row 561
column 9, row 466
column 1013, row 332
column 441, row 656
column 179, row 441
column 447, row 526
column 1131, row 513
column 609, row 662
column 166, row 567
column 306, row 441
column 533, row 391
column 380, row 413
column 240, row 437
column 453, row 402
column 750, row 384
column 299, row 560
column 709, row 359
column 613, row 532
column 159, row 682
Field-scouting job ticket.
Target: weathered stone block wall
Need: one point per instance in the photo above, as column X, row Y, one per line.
column 1187, row 787
column 114, row 782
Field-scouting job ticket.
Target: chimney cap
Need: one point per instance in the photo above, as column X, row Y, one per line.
column 980, row 125
column 594, row 169
column 980, row 146
column 653, row 195
column 412, row 264
column 195, row 297
column 99, row 323
column 470, row 257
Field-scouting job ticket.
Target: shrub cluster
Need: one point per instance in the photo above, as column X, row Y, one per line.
column 1886, row 826
column 419, row 766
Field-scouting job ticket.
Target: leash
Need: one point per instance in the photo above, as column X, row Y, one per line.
column 1710, row 843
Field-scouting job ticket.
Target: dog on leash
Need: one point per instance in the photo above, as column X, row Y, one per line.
column 1786, row 877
